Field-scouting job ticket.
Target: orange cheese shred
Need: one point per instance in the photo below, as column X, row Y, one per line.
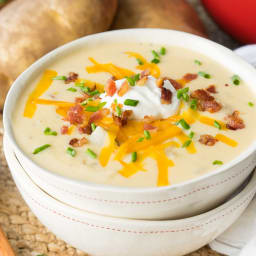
column 226, row 140
column 210, row 121
column 183, row 138
column 42, row 86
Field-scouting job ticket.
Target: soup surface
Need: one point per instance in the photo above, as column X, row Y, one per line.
column 134, row 115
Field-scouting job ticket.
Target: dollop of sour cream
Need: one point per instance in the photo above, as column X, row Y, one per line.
column 149, row 97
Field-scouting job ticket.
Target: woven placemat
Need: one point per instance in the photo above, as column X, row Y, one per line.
column 26, row 234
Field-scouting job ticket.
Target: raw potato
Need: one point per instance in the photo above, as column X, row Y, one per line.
column 169, row 14
column 30, row 29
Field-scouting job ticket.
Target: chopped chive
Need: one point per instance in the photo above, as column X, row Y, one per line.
column 71, row 151
column 184, row 124
column 71, row 89
column 217, row 162
column 39, row 149
column 131, row 102
column 48, row 131
column 198, row 62
column 93, row 93
column 155, row 54
column 183, row 93
column 90, row 99
column 92, row 108
column 136, row 77
column 186, row 143
column 155, row 60
column 115, row 101
column 191, row 135
column 85, row 89
column 83, row 103
column 91, row 153
column 140, row 62
column 193, row 104
column 217, row 125
column 236, row 79
column 93, row 126
column 134, row 156
column 59, row 78
column 140, row 139
column 163, row 51
column 118, row 110
column 204, row 74
column 131, row 81
column 147, row 134
column 102, row 104
column 81, row 84
column 250, row 104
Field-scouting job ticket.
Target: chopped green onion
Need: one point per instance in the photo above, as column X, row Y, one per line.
column 136, row 77
column 236, row 79
column 217, row 125
column 118, row 110
column 102, row 104
column 191, row 135
column 92, row 108
column 71, row 89
column 204, row 74
column 71, row 151
column 91, row 153
column 250, row 104
column 59, row 78
column 217, row 162
column 183, row 93
column 199, row 63
column 131, row 81
column 48, row 131
column 81, row 84
column 156, row 55
column 186, row 143
column 83, row 103
column 147, row 134
column 140, row 62
column 39, row 149
column 131, row 102
column 93, row 126
column 193, row 104
column 163, row 51
column 85, row 89
column 93, row 93
column 155, row 60
column 140, row 139
column 134, row 156
column 184, row 124
column 115, row 101
column 90, row 99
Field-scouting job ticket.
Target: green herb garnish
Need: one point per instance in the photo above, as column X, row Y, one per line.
column 140, row 139
column 217, row 125
column 118, row 110
column 193, row 104
column 155, row 60
column 199, row 63
column 183, row 93
column 48, row 131
column 236, row 79
column 155, row 54
column 71, row 151
column 91, row 153
column 59, row 78
column 163, row 51
column 39, row 149
column 93, row 93
column 184, row 124
column 91, row 108
column 102, row 104
column 204, row 74
column 115, row 101
column 147, row 135
column 250, row 104
column 85, row 89
column 191, row 135
column 84, row 103
column 134, row 156
column 93, row 126
column 136, row 77
column 217, row 162
column 186, row 143
column 81, row 84
column 131, row 102
column 131, row 81
column 140, row 62
column 71, row 89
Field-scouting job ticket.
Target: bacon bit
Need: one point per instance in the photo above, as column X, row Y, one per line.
column 81, row 99
column 75, row 114
column 144, row 73
column 123, row 89
column 111, row 87
column 211, row 89
column 175, row 84
column 122, row 121
column 189, row 77
column 85, row 129
column 226, row 85
column 207, row 140
column 148, row 119
column 234, row 122
column 78, row 142
column 206, row 102
column 149, row 127
column 142, row 81
column 72, row 77
column 166, row 96
column 64, row 129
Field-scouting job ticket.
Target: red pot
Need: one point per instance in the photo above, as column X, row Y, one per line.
column 237, row 17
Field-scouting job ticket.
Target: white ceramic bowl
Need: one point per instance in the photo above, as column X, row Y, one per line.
column 107, row 236
column 176, row 201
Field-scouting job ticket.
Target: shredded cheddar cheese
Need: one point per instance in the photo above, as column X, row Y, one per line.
column 230, row 142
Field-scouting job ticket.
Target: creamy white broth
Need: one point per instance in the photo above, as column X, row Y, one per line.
column 177, row 62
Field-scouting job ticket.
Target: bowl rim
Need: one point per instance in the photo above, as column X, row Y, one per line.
column 12, row 95
column 245, row 191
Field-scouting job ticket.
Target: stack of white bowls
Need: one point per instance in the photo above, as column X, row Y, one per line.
column 116, row 221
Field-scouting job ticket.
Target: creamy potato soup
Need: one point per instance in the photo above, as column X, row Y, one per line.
column 134, row 115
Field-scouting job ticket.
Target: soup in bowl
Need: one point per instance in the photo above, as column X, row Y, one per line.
column 136, row 118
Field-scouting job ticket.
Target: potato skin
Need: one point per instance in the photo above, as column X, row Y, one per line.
column 168, row 14
column 30, row 29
